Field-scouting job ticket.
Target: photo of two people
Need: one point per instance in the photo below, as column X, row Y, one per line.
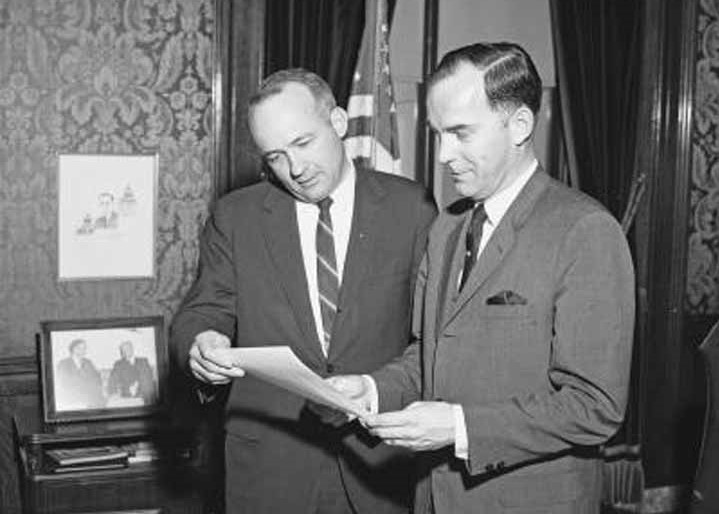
column 104, row 368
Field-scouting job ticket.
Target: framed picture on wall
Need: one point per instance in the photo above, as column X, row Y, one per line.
column 101, row 369
column 106, row 216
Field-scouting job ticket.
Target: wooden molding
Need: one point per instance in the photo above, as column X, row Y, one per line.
column 664, row 143
column 19, row 376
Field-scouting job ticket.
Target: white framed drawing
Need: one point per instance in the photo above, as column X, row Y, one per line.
column 106, row 216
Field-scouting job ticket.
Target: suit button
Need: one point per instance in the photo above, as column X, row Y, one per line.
column 489, row 468
column 330, row 368
column 500, row 465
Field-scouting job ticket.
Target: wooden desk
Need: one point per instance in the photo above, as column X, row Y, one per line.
column 171, row 482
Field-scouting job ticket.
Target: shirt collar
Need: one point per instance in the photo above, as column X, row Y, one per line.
column 344, row 192
column 498, row 204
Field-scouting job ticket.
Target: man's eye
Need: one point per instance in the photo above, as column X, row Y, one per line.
column 462, row 135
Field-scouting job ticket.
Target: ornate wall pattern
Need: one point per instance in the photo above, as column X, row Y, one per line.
column 100, row 76
column 702, row 294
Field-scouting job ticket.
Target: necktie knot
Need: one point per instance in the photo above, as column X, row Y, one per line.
column 324, row 206
column 474, row 233
column 479, row 213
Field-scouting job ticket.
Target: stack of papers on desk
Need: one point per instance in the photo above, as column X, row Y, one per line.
column 86, row 458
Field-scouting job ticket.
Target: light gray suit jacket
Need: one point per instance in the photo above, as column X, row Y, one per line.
column 536, row 348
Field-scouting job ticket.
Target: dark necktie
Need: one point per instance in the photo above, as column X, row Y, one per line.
column 327, row 276
column 474, row 237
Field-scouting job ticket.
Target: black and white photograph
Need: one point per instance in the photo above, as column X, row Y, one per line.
column 359, row 256
column 102, row 369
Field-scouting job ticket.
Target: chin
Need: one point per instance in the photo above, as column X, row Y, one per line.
column 465, row 190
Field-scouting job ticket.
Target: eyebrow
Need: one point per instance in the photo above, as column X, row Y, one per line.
column 452, row 128
column 293, row 142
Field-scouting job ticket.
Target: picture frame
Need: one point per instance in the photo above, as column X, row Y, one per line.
column 103, row 368
column 106, row 216
column 132, row 511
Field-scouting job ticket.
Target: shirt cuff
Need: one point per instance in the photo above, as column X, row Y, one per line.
column 461, row 445
column 372, row 394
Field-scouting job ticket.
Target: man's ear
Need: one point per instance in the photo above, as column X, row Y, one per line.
column 522, row 125
column 338, row 118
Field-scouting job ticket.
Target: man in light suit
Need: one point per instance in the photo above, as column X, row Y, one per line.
column 260, row 284
column 525, row 310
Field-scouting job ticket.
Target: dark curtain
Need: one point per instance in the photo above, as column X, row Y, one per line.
column 597, row 52
column 323, row 36
column 598, row 55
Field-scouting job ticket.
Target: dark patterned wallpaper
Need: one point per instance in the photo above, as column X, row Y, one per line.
column 703, row 252
column 99, row 76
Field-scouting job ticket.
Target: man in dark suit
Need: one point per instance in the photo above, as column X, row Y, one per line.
column 131, row 376
column 524, row 307
column 78, row 384
column 280, row 265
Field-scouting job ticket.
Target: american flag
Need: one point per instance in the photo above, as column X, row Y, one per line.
column 372, row 135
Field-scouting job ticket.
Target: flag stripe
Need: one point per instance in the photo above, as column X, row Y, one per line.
column 371, row 105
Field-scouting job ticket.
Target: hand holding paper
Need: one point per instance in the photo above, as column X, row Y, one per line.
column 355, row 388
column 421, row 426
column 207, row 364
column 279, row 365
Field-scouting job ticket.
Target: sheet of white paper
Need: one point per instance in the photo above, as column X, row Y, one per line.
column 280, row 366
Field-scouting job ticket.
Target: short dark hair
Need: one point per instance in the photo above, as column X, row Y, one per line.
column 74, row 344
column 510, row 77
column 275, row 83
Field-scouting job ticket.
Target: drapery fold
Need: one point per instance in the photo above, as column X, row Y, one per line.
column 323, row 36
column 597, row 47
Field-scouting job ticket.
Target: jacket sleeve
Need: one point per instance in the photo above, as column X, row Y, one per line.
column 210, row 302
column 399, row 382
column 588, row 369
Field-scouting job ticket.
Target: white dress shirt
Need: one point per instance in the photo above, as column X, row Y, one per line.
column 343, row 199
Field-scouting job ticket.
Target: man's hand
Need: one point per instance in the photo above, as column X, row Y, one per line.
column 422, row 426
column 206, row 365
column 354, row 387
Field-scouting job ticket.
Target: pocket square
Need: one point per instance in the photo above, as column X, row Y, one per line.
column 506, row 298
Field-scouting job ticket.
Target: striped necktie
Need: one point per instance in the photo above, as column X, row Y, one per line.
column 327, row 276
column 473, row 238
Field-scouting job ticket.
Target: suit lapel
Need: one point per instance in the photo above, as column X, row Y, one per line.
column 369, row 195
column 453, row 255
column 283, row 245
column 501, row 242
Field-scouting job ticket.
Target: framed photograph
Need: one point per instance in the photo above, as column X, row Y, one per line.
column 101, row 369
column 106, row 216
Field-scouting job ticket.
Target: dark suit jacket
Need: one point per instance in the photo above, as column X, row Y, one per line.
column 536, row 348
column 124, row 374
column 251, row 286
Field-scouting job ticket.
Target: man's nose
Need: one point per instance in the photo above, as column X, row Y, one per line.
column 446, row 149
column 294, row 163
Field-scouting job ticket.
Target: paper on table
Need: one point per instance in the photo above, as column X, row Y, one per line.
column 280, row 366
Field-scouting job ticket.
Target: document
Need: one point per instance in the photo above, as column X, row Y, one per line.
column 280, row 366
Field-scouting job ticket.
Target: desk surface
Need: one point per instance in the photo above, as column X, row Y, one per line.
column 31, row 429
